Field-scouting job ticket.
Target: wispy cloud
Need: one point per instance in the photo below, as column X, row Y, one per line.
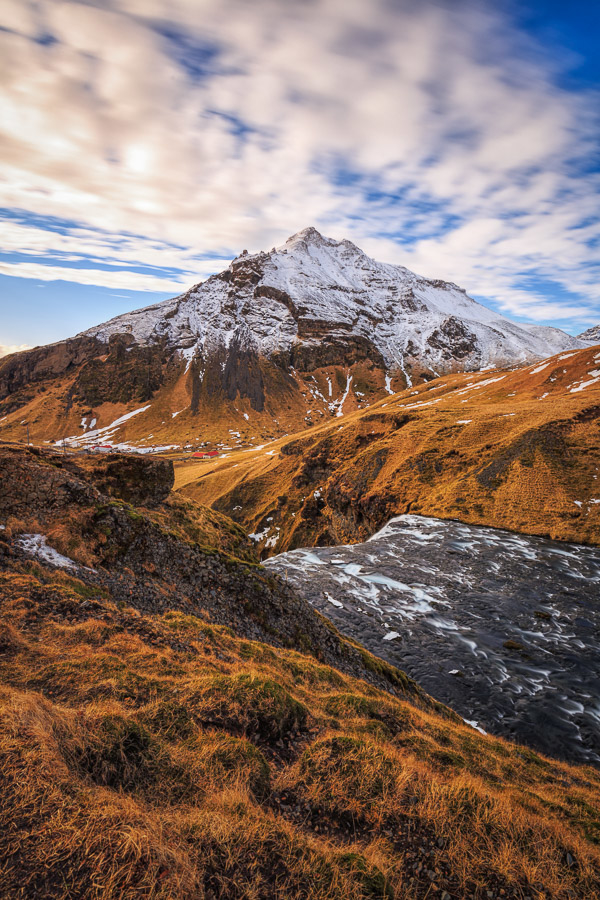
column 7, row 349
column 434, row 135
column 133, row 281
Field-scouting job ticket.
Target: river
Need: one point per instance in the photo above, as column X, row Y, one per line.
column 502, row 627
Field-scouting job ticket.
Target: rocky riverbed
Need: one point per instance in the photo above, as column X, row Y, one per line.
column 504, row 628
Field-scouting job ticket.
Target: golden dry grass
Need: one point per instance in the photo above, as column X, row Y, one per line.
column 517, row 449
column 162, row 756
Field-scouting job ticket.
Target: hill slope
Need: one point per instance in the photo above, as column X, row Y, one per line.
column 518, row 449
column 148, row 749
column 276, row 342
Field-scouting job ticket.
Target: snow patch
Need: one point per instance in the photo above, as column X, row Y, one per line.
column 340, row 411
column 474, row 725
column 35, row 544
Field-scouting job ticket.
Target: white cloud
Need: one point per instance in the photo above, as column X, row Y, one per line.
column 83, row 244
column 443, row 107
column 132, row 281
column 7, row 349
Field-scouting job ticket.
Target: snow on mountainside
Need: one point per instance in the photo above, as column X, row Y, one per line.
column 313, row 289
column 274, row 344
column 592, row 335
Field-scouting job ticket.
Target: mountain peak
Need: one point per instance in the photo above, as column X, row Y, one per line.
column 314, row 328
column 313, row 295
column 307, row 234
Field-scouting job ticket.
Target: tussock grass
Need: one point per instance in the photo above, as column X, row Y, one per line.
column 255, row 705
column 163, row 756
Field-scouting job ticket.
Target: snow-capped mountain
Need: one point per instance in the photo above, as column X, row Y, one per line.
column 313, row 291
column 276, row 342
column 591, row 336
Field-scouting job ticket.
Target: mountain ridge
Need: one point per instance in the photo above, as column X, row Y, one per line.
column 274, row 343
column 341, row 278
column 591, row 334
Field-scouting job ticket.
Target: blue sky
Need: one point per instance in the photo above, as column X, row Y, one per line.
column 147, row 143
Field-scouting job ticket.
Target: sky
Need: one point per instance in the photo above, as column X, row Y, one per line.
column 145, row 143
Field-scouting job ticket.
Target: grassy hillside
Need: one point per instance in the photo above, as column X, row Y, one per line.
column 161, row 755
column 175, row 722
column 517, row 449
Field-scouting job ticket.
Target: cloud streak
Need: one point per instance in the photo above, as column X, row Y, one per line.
column 433, row 135
column 7, row 349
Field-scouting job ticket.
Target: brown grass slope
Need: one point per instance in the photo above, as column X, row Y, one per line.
column 166, row 554
column 159, row 738
column 160, row 755
column 518, row 449
column 55, row 389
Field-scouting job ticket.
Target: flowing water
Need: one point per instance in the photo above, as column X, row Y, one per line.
column 504, row 628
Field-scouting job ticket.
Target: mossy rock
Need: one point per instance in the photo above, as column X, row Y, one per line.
column 254, row 705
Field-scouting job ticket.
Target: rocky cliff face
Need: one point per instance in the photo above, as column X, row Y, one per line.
column 314, row 290
column 592, row 335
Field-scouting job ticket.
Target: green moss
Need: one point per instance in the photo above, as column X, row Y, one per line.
column 189, row 624
column 448, row 759
column 170, row 719
column 390, row 673
column 377, row 730
column 256, row 651
column 350, row 705
column 307, row 671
